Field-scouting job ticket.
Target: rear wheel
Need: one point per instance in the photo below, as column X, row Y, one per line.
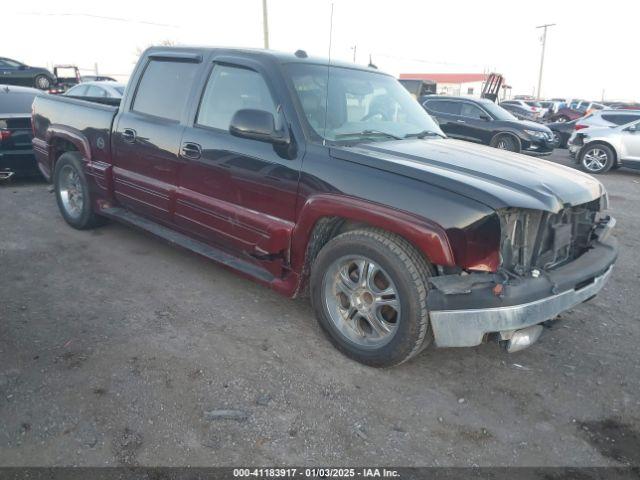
column 596, row 158
column 505, row 142
column 369, row 290
column 72, row 193
column 42, row 82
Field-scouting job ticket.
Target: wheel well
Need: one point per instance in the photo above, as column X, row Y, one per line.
column 599, row 142
column 60, row 146
column 323, row 231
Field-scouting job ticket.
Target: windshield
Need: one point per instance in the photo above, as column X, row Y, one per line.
column 362, row 105
column 498, row 112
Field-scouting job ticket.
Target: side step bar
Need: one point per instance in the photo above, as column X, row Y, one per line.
column 177, row 238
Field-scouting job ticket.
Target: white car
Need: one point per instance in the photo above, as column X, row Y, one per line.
column 598, row 149
column 102, row 89
column 607, row 118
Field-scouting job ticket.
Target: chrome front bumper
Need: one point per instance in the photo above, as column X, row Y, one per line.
column 467, row 328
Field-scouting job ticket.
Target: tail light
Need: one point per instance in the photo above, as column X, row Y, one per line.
column 4, row 133
column 579, row 127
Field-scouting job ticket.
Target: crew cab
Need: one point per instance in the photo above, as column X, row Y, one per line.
column 330, row 180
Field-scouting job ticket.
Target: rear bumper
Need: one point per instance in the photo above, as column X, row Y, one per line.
column 18, row 163
column 463, row 319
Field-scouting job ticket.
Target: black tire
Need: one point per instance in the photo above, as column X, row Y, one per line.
column 42, row 82
column 505, row 141
column 408, row 270
column 85, row 218
column 604, row 155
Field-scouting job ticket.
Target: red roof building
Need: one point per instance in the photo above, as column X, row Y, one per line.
column 452, row 83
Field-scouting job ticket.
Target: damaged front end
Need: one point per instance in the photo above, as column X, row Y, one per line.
column 548, row 262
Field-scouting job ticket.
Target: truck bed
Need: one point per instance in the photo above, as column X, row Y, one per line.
column 86, row 118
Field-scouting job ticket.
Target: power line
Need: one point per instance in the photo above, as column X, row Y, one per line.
column 100, row 17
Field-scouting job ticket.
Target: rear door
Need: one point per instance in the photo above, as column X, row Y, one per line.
column 235, row 192
column 446, row 112
column 146, row 139
column 8, row 72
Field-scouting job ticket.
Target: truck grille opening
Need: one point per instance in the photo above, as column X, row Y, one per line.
column 542, row 240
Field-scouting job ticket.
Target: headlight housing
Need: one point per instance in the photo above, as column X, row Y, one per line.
column 536, row 133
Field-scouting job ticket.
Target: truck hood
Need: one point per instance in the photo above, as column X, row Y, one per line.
column 496, row 178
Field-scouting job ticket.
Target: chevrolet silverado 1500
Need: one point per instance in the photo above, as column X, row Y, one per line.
column 330, row 180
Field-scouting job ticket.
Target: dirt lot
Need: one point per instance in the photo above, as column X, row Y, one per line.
column 118, row 349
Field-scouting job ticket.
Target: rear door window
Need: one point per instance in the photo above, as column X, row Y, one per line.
column 164, row 88
column 443, row 106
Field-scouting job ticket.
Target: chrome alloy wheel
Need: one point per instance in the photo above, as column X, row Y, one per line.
column 362, row 301
column 71, row 191
column 595, row 159
column 503, row 144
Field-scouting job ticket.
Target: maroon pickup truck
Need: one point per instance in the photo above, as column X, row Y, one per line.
column 332, row 181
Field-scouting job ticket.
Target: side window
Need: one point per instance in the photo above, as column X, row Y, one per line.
column 620, row 119
column 94, row 91
column 443, row 106
column 471, row 111
column 164, row 88
column 230, row 89
column 79, row 91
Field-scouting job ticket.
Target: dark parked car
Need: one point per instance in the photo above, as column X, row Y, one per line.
column 482, row 121
column 401, row 236
column 16, row 151
column 13, row 72
column 562, row 132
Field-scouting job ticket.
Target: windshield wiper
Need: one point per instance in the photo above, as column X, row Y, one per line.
column 368, row 133
column 423, row 134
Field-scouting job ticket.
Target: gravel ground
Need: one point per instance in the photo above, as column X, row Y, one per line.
column 116, row 349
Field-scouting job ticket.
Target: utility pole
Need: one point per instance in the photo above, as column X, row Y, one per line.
column 265, row 24
column 544, row 44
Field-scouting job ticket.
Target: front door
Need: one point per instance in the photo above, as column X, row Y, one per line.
column 473, row 124
column 146, row 140
column 235, row 192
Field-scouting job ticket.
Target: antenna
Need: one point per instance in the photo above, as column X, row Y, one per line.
column 326, row 103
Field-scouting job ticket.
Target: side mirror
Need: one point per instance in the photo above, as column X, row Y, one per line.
column 486, row 118
column 632, row 128
column 256, row 125
column 22, row 67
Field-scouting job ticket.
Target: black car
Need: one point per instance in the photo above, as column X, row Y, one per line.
column 482, row 121
column 562, row 131
column 16, row 151
column 13, row 72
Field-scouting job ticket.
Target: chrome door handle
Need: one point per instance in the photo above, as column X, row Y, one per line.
column 129, row 135
column 461, row 121
column 191, row 150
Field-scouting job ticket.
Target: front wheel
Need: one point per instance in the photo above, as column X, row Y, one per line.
column 596, row 158
column 505, row 142
column 42, row 82
column 73, row 194
column 369, row 290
